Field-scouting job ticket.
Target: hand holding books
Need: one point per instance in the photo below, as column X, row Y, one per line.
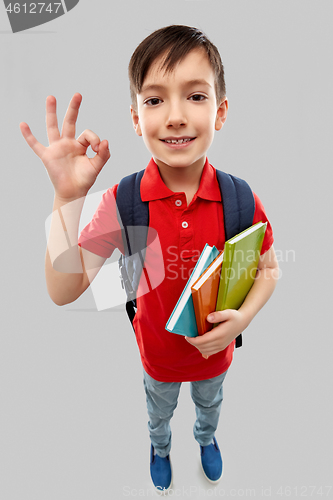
column 231, row 324
column 222, row 286
column 238, row 267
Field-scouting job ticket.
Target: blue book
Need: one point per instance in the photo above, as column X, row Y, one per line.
column 182, row 319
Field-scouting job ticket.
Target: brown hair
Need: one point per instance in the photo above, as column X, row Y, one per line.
column 177, row 41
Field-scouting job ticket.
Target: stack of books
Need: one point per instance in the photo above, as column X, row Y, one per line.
column 219, row 281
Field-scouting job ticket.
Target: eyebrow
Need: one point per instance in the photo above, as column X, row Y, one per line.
column 188, row 83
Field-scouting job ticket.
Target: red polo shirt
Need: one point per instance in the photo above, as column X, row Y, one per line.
column 183, row 231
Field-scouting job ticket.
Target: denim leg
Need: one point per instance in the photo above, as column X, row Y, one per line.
column 207, row 396
column 162, row 398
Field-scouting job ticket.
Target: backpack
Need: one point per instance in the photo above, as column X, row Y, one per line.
column 238, row 209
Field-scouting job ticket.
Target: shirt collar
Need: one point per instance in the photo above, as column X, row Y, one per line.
column 153, row 188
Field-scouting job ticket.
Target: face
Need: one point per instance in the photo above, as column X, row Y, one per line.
column 177, row 112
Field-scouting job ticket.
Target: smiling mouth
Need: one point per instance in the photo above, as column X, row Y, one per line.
column 178, row 141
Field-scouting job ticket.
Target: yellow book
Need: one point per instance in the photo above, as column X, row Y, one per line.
column 239, row 268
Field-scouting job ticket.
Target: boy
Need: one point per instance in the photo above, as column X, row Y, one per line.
column 178, row 101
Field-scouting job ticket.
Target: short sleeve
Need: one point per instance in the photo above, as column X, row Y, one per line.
column 103, row 234
column 260, row 215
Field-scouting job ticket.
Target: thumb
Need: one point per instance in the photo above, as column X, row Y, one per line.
column 218, row 316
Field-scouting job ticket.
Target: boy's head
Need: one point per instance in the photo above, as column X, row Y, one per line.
column 178, row 96
column 173, row 43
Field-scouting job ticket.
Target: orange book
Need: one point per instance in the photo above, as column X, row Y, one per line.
column 204, row 294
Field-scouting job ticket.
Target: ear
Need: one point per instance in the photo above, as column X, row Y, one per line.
column 135, row 119
column 221, row 114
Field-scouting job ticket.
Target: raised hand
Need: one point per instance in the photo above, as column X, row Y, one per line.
column 71, row 172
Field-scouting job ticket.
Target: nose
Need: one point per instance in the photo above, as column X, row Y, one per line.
column 176, row 115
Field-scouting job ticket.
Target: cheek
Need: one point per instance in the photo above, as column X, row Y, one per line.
column 204, row 118
column 149, row 126
column 206, row 127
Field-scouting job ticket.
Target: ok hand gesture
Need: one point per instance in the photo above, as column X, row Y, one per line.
column 71, row 172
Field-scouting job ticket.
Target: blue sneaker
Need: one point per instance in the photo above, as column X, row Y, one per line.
column 160, row 471
column 211, row 461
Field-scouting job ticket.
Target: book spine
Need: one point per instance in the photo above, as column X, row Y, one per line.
column 224, row 279
column 198, row 307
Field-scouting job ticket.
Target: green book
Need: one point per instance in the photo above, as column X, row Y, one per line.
column 239, row 268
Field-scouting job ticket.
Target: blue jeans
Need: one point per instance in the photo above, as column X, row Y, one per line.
column 162, row 398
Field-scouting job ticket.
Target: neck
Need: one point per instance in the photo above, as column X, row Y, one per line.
column 182, row 179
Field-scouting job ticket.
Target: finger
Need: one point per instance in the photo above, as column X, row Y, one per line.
column 196, row 341
column 52, row 129
column 218, row 316
column 202, row 340
column 101, row 157
column 37, row 148
column 68, row 126
column 89, row 138
column 211, row 347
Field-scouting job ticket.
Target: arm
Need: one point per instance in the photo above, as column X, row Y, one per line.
column 66, row 263
column 233, row 322
column 72, row 174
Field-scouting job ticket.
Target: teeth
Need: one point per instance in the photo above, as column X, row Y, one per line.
column 174, row 141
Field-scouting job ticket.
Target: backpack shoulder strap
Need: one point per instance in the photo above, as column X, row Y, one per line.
column 134, row 220
column 238, row 209
column 238, row 203
column 133, row 213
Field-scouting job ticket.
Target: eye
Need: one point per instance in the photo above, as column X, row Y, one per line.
column 198, row 97
column 153, row 101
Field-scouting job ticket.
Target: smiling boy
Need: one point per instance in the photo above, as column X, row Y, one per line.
column 176, row 114
column 178, row 102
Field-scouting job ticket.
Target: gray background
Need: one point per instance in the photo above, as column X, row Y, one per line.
column 73, row 417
